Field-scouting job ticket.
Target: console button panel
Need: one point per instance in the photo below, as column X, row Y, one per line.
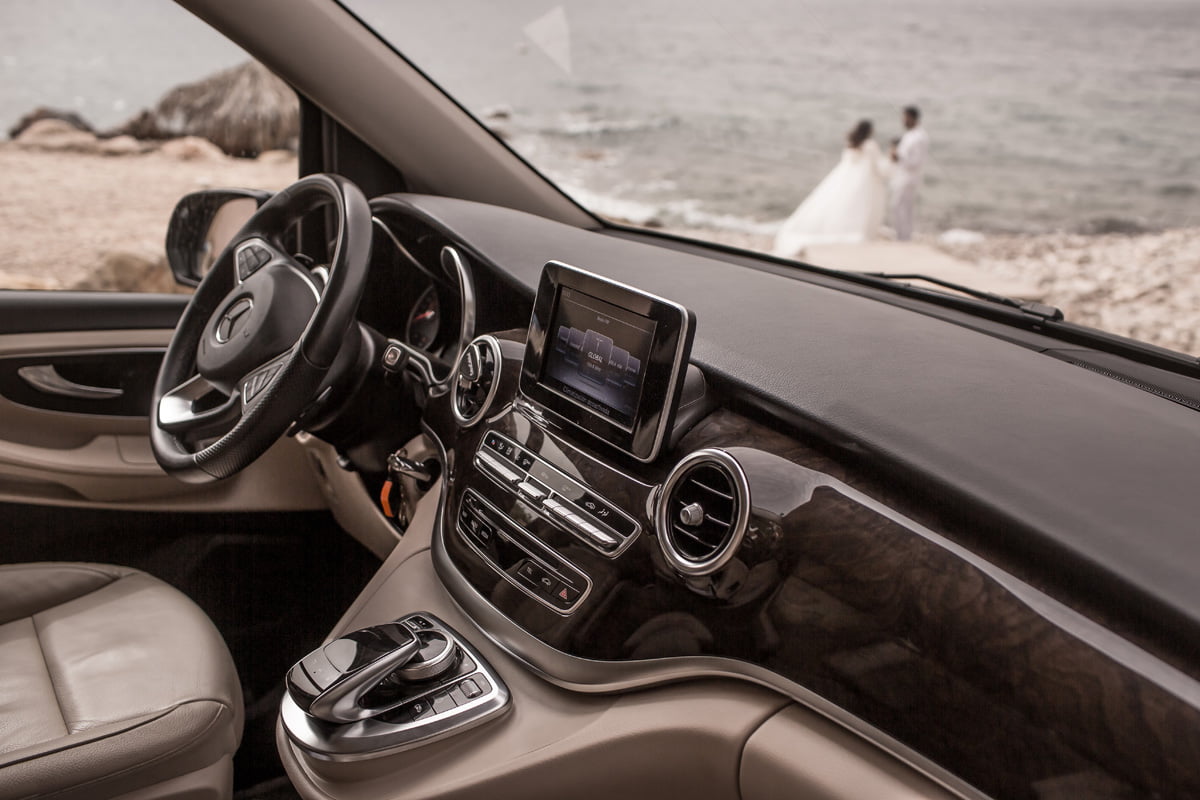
column 562, row 500
column 522, row 559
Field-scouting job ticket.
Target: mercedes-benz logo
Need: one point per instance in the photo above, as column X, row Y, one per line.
column 232, row 318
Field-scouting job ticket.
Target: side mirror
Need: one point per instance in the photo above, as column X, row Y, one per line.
column 201, row 226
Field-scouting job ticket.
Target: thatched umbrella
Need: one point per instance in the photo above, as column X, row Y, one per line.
column 244, row 110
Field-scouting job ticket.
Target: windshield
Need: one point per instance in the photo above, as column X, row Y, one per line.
column 1051, row 156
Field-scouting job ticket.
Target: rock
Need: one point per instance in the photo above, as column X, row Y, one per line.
column 21, row 282
column 55, row 135
column 496, row 113
column 42, row 112
column 128, row 271
column 245, row 110
column 1143, row 286
column 122, row 146
column 276, row 157
column 191, row 148
column 960, row 236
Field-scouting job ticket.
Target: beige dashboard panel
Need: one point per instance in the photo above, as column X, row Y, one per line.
column 797, row 755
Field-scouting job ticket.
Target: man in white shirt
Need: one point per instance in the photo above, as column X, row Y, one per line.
column 909, row 154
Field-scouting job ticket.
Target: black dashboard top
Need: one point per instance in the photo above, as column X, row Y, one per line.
column 1082, row 469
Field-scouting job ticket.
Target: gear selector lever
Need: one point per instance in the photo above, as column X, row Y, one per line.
column 387, row 688
column 332, row 682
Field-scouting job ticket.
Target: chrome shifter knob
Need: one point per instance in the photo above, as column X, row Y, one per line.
column 331, row 682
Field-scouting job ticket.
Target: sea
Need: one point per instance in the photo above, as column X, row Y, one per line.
column 1043, row 115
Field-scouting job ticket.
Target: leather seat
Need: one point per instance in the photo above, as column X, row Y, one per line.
column 112, row 684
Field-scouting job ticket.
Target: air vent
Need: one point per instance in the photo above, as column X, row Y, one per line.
column 702, row 512
column 475, row 379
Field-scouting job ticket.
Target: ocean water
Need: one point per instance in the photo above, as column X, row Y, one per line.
column 1044, row 114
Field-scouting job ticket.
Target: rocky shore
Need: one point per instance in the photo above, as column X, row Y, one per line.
column 80, row 211
column 1144, row 286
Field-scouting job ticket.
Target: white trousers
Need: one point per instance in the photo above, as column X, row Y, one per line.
column 904, row 202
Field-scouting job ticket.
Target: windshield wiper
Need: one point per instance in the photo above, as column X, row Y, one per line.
column 1046, row 312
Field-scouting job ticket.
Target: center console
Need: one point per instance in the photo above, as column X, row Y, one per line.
column 387, row 688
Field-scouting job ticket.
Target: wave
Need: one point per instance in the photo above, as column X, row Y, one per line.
column 579, row 125
column 685, row 213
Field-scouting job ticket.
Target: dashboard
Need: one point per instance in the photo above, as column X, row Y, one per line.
column 643, row 483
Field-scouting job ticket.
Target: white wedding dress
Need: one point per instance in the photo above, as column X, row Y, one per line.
column 846, row 207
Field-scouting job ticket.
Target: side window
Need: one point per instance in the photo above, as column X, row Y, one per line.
column 109, row 114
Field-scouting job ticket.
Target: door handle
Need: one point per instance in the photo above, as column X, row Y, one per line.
column 45, row 378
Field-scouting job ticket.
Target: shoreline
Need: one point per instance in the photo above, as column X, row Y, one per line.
column 1142, row 285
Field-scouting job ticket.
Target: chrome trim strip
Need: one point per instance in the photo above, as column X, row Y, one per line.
column 46, row 379
column 466, row 294
column 404, row 251
column 662, row 524
column 83, row 351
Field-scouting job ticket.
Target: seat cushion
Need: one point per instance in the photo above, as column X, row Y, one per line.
column 110, row 681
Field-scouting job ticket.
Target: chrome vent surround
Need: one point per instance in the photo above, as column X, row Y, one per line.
column 702, row 512
column 475, row 379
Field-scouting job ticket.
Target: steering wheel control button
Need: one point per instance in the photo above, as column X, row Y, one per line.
column 250, row 259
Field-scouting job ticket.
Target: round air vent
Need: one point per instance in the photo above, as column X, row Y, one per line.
column 475, row 379
column 702, row 512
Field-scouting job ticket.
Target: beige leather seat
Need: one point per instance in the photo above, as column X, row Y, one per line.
column 112, row 684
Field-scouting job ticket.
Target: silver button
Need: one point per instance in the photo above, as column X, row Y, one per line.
column 531, row 492
column 498, row 467
column 595, row 534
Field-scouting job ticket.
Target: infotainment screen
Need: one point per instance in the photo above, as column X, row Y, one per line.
column 605, row 358
column 597, row 355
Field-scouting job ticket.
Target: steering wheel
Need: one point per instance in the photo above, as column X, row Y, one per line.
column 259, row 337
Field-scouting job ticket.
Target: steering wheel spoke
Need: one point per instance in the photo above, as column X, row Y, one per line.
column 252, row 387
column 196, row 408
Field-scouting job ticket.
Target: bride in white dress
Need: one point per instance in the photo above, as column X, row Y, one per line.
column 847, row 206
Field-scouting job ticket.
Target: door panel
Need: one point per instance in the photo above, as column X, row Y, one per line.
column 95, row 452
